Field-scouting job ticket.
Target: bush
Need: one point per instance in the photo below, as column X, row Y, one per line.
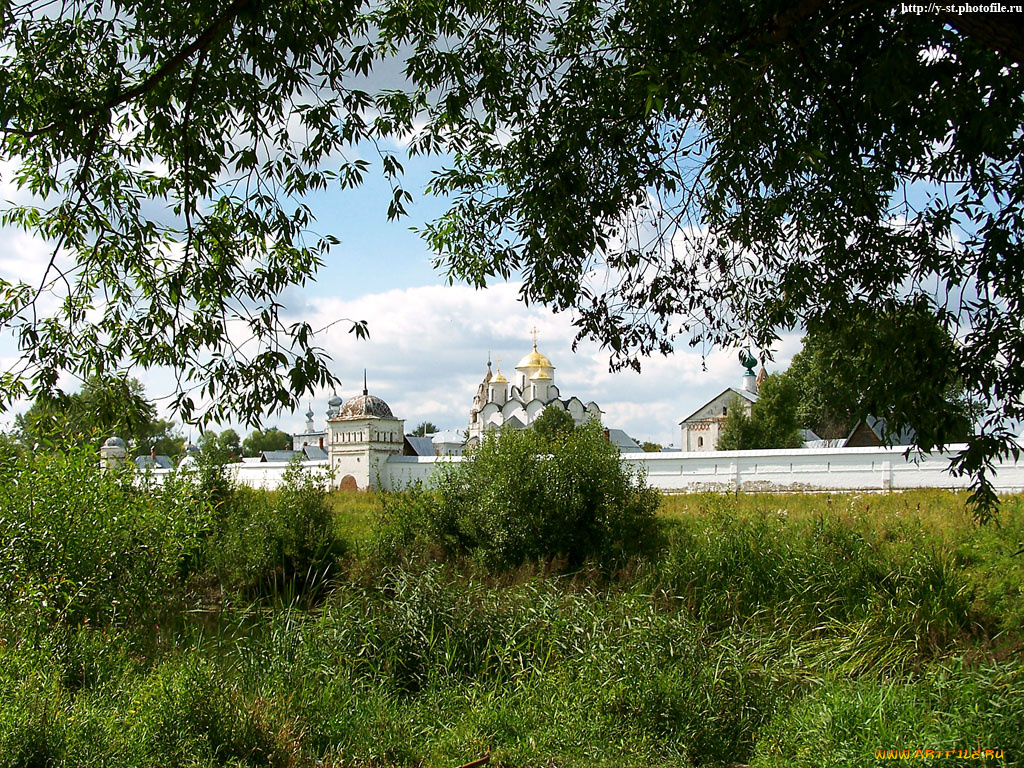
column 268, row 539
column 79, row 543
column 521, row 497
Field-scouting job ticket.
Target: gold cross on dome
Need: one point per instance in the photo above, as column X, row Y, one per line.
column 498, row 359
column 534, row 334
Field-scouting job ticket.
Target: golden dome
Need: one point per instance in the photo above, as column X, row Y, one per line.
column 499, row 379
column 535, row 360
column 540, row 375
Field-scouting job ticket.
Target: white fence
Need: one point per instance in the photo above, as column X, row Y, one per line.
column 802, row 469
column 812, row 469
column 408, row 470
column 269, row 474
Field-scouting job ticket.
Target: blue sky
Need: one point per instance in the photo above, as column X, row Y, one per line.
column 429, row 342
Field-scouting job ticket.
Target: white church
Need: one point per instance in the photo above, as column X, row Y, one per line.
column 702, row 428
column 363, row 435
column 517, row 404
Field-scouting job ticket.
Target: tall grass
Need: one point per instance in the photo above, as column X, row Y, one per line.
column 83, row 545
column 764, row 631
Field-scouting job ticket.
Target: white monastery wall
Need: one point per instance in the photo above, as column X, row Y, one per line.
column 404, row 471
column 269, row 474
column 801, row 469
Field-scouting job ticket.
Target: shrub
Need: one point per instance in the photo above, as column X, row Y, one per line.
column 521, row 497
column 553, row 423
column 79, row 543
column 268, row 539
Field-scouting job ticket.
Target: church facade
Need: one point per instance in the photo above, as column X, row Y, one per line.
column 499, row 402
column 701, row 429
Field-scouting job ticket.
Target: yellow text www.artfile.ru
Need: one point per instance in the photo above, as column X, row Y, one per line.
column 933, row 754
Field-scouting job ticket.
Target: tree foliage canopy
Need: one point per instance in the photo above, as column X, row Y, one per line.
column 103, row 407
column 771, row 423
column 166, row 148
column 272, row 439
column 714, row 173
column 839, row 383
column 221, row 448
column 702, row 173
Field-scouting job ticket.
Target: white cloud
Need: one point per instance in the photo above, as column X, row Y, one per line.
column 428, row 352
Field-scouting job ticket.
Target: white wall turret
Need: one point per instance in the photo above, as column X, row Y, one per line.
column 360, row 438
column 112, row 453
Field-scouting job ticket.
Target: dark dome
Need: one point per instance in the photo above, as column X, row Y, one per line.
column 366, row 405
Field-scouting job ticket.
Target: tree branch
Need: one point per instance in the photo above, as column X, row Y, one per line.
column 212, row 32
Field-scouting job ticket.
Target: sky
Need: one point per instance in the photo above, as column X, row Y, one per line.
column 429, row 341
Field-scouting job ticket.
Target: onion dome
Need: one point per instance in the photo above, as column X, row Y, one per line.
column 114, row 442
column 364, row 405
column 748, row 361
column 540, row 375
column 535, row 360
column 333, row 406
column 499, row 379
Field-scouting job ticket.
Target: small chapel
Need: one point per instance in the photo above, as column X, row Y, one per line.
column 517, row 403
column 702, row 428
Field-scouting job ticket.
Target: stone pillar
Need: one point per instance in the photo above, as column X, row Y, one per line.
column 112, row 453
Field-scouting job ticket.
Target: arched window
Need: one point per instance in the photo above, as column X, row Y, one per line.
column 700, row 442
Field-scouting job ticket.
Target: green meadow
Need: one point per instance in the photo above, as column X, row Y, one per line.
column 198, row 623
